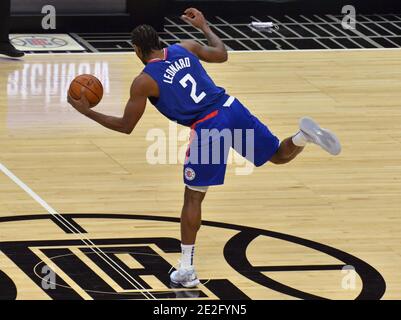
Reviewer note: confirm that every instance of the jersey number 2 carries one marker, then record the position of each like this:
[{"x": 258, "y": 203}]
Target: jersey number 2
[{"x": 184, "y": 83}]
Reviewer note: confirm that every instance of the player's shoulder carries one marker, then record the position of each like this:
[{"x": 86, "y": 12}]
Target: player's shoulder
[
  {"x": 143, "y": 84},
  {"x": 190, "y": 46},
  {"x": 183, "y": 48}
]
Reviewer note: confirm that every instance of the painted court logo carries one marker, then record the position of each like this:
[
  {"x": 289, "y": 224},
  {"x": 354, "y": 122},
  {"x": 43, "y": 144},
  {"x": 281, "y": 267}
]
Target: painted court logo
[
  {"x": 39, "y": 41},
  {"x": 83, "y": 261},
  {"x": 45, "y": 42}
]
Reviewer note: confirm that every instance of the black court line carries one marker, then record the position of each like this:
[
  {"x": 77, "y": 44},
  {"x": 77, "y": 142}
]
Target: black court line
[
  {"x": 70, "y": 223},
  {"x": 301, "y": 268}
]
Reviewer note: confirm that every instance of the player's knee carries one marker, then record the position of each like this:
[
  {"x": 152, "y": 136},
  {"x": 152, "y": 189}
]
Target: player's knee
[
  {"x": 193, "y": 198},
  {"x": 276, "y": 159}
]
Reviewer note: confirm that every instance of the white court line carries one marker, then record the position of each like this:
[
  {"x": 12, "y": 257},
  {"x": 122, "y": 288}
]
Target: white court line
[
  {"x": 230, "y": 51},
  {"x": 28, "y": 190},
  {"x": 71, "y": 228}
]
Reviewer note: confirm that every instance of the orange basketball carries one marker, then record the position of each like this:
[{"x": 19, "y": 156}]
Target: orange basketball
[{"x": 93, "y": 88}]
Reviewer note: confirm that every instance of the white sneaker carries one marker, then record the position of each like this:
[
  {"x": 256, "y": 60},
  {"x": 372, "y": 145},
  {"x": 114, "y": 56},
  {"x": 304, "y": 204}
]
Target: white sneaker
[
  {"x": 320, "y": 136},
  {"x": 185, "y": 277}
]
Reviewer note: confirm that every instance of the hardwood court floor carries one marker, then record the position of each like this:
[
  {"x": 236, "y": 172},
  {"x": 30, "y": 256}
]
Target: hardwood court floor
[{"x": 351, "y": 202}]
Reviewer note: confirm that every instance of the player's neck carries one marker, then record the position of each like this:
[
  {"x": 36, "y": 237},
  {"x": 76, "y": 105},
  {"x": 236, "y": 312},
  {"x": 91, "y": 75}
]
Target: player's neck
[{"x": 156, "y": 55}]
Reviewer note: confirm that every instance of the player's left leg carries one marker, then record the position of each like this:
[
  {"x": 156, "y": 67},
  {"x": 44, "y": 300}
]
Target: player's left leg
[
  {"x": 205, "y": 166},
  {"x": 191, "y": 216}
]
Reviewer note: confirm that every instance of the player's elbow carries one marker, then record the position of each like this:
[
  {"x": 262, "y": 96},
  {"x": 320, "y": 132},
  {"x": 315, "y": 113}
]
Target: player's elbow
[
  {"x": 219, "y": 56},
  {"x": 127, "y": 129}
]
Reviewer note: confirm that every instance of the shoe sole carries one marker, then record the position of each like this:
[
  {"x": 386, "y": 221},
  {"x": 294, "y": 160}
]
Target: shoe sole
[
  {"x": 320, "y": 136},
  {"x": 191, "y": 284},
  {"x": 187, "y": 284}
]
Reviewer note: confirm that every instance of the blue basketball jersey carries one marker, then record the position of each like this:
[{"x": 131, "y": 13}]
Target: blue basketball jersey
[{"x": 186, "y": 92}]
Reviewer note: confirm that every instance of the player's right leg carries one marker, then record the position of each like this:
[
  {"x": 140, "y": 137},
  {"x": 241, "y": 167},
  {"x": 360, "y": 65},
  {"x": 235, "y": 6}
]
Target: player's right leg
[
  {"x": 265, "y": 146},
  {"x": 310, "y": 132},
  {"x": 286, "y": 152},
  {"x": 324, "y": 138}
]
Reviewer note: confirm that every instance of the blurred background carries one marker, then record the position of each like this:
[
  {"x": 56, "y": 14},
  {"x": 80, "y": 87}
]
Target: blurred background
[{"x": 120, "y": 15}]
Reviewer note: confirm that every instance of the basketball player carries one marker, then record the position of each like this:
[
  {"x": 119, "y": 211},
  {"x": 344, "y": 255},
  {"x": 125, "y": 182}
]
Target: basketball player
[
  {"x": 178, "y": 86},
  {"x": 6, "y": 47}
]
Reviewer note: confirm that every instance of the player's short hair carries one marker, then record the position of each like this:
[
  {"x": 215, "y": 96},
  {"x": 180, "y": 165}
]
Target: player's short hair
[{"x": 146, "y": 38}]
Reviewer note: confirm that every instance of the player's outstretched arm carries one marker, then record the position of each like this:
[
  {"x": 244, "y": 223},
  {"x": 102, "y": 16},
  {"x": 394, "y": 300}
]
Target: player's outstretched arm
[
  {"x": 140, "y": 91},
  {"x": 216, "y": 50}
]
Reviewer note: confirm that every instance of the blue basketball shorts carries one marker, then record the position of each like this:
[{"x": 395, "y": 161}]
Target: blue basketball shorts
[{"x": 230, "y": 126}]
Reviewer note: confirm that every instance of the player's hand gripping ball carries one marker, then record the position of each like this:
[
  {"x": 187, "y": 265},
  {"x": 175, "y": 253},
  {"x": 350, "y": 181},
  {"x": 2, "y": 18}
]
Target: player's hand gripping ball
[{"x": 85, "y": 92}]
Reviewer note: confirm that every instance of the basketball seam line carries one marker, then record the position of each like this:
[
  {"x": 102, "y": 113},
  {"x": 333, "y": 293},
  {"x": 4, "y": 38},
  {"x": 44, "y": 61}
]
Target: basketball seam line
[{"x": 88, "y": 88}]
